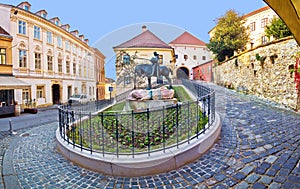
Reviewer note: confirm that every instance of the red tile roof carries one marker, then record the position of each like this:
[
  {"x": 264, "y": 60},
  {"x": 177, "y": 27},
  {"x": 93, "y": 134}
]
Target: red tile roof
[
  {"x": 187, "y": 38},
  {"x": 3, "y": 32},
  {"x": 145, "y": 39}
]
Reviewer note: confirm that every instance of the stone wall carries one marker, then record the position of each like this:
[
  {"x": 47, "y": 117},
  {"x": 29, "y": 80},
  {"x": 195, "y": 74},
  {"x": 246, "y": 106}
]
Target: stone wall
[{"x": 264, "y": 71}]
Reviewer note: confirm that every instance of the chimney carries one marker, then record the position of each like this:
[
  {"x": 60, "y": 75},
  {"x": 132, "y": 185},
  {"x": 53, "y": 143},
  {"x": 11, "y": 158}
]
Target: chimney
[{"x": 144, "y": 28}]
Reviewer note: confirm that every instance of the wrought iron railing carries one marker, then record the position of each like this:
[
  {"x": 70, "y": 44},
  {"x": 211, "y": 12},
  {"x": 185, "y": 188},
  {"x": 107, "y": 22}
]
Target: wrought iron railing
[{"x": 139, "y": 132}]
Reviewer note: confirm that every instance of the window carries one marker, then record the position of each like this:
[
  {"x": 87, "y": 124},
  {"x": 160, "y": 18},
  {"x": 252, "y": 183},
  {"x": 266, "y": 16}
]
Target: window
[
  {"x": 264, "y": 22},
  {"x": 126, "y": 59},
  {"x": 59, "y": 64},
  {"x": 37, "y": 60},
  {"x": 74, "y": 68},
  {"x": 67, "y": 45},
  {"x": 185, "y": 57},
  {"x": 50, "y": 62},
  {"x": 252, "y": 26},
  {"x": 49, "y": 37},
  {"x": 25, "y": 95},
  {"x": 57, "y": 22},
  {"x": 203, "y": 57},
  {"x": 195, "y": 57},
  {"x": 2, "y": 56},
  {"x": 44, "y": 15},
  {"x": 40, "y": 92},
  {"x": 68, "y": 66},
  {"x": 59, "y": 41},
  {"x": 37, "y": 32},
  {"x": 176, "y": 56},
  {"x": 26, "y": 8},
  {"x": 264, "y": 40},
  {"x": 73, "y": 48},
  {"x": 22, "y": 58},
  {"x": 22, "y": 27},
  {"x": 80, "y": 70}
]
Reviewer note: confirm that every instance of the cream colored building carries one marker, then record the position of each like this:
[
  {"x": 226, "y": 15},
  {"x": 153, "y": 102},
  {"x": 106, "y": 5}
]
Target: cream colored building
[
  {"x": 141, "y": 49},
  {"x": 256, "y": 23},
  {"x": 189, "y": 52},
  {"x": 55, "y": 61}
]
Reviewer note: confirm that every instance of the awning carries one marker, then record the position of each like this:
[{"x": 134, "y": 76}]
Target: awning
[
  {"x": 10, "y": 82},
  {"x": 289, "y": 12}
]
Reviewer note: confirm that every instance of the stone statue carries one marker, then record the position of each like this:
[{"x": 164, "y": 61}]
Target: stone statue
[{"x": 152, "y": 70}]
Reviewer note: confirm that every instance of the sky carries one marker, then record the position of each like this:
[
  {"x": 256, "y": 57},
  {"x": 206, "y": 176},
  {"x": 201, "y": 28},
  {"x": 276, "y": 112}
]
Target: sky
[{"x": 107, "y": 23}]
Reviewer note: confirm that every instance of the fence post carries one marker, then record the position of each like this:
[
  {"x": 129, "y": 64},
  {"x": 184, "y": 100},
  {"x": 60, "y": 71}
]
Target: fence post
[
  {"x": 102, "y": 133},
  {"x": 90, "y": 125},
  {"x": 188, "y": 122},
  {"x": 177, "y": 124},
  {"x": 148, "y": 132},
  {"x": 132, "y": 132},
  {"x": 117, "y": 135},
  {"x": 164, "y": 130}
]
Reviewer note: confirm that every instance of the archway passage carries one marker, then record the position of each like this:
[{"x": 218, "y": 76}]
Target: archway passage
[
  {"x": 55, "y": 94},
  {"x": 182, "y": 73}
]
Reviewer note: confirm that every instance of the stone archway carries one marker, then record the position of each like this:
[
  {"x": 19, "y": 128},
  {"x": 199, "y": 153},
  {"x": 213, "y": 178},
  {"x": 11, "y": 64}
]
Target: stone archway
[
  {"x": 55, "y": 94},
  {"x": 182, "y": 73}
]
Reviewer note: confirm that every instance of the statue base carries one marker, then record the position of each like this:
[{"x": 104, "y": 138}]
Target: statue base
[{"x": 151, "y": 104}]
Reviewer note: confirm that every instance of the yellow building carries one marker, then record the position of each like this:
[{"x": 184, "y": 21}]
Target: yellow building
[
  {"x": 140, "y": 49},
  {"x": 100, "y": 74},
  {"x": 10, "y": 86},
  {"x": 55, "y": 61}
]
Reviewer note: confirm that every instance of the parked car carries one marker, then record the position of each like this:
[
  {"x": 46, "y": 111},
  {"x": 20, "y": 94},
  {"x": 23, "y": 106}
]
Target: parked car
[{"x": 78, "y": 99}]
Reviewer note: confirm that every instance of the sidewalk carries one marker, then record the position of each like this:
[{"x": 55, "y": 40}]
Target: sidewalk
[{"x": 259, "y": 147}]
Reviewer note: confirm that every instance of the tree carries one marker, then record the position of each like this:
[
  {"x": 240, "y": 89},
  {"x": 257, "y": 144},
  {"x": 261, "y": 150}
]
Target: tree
[
  {"x": 278, "y": 29},
  {"x": 229, "y": 35}
]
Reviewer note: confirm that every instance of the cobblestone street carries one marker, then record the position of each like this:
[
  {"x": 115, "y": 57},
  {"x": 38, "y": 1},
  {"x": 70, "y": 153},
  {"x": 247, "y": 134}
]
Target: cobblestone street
[{"x": 259, "y": 147}]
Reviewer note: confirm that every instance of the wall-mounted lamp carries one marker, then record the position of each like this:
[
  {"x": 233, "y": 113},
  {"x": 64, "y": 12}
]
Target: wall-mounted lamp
[{"x": 16, "y": 12}]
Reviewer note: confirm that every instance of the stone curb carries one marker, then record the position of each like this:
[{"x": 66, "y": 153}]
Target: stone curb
[
  {"x": 9, "y": 176},
  {"x": 142, "y": 165}
]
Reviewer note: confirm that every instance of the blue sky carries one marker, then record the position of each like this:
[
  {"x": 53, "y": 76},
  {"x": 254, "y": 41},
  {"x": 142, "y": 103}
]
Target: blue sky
[{"x": 101, "y": 21}]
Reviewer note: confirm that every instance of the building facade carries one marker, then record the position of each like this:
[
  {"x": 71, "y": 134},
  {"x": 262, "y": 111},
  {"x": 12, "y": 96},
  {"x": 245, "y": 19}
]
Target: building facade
[
  {"x": 55, "y": 61},
  {"x": 10, "y": 87},
  {"x": 256, "y": 23},
  {"x": 99, "y": 74},
  {"x": 204, "y": 72},
  {"x": 189, "y": 52},
  {"x": 139, "y": 50}
]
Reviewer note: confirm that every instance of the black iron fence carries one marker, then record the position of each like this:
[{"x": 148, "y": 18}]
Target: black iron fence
[{"x": 139, "y": 132}]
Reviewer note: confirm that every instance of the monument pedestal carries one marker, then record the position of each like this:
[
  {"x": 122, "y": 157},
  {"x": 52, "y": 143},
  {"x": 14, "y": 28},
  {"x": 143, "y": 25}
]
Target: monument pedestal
[{"x": 151, "y": 104}]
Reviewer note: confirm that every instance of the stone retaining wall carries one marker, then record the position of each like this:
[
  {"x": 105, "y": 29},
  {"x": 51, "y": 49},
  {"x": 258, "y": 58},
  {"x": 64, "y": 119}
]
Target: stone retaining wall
[{"x": 264, "y": 71}]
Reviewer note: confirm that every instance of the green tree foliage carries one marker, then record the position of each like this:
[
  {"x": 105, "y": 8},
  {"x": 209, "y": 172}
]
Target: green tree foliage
[
  {"x": 278, "y": 29},
  {"x": 229, "y": 35}
]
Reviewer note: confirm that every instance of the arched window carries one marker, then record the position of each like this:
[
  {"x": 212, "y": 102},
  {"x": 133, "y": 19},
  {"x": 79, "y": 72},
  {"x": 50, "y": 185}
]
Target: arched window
[{"x": 22, "y": 55}]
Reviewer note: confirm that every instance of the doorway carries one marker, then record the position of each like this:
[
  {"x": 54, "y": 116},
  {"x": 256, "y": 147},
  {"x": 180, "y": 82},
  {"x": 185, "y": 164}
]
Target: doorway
[
  {"x": 182, "y": 73},
  {"x": 55, "y": 94}
]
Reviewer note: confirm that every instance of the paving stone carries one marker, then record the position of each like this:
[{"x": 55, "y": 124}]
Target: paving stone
[
  {"x": 259, "y": 186},
  {"x": 271, "y": 159},
  {"x": 247, "y": 169},
  {"x": 242, "y": 185},
  {"x": 265, "y": 179},
  {"x": 252, "y": 178}
]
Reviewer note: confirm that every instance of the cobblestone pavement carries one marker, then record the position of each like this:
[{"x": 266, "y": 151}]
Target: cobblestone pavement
[{"x": 259, "y": 147}]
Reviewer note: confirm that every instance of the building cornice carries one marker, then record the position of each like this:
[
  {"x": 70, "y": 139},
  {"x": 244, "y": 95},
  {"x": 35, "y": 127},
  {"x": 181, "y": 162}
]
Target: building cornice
[{"x": 46, "y": 22}]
